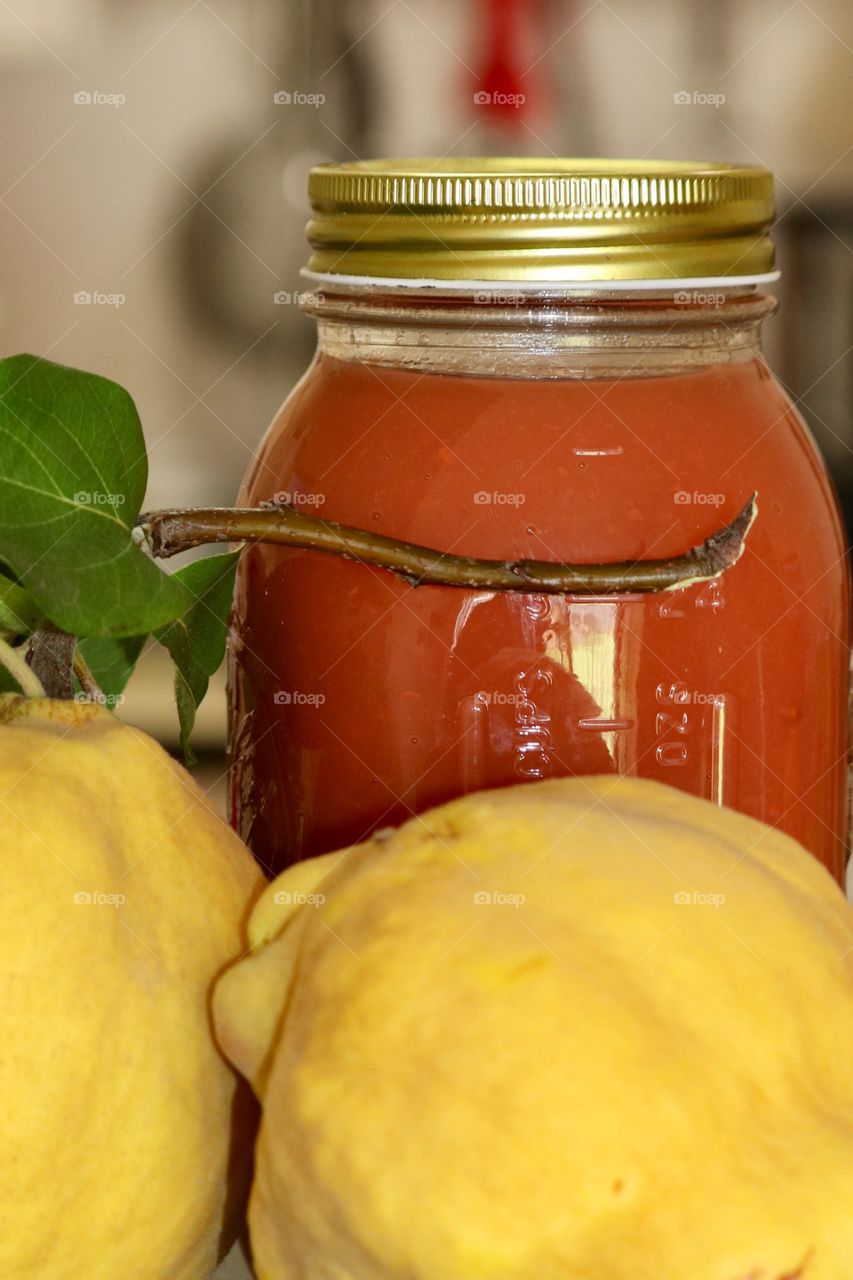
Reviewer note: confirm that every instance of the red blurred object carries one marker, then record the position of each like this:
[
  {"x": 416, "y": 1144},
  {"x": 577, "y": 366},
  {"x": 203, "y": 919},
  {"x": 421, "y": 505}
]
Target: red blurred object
[{"x": 503, "y": 87}]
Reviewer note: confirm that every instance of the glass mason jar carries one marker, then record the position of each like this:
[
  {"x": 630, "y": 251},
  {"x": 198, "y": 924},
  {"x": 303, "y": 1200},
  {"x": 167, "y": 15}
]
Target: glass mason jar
[{"x": 560, "y": 361}]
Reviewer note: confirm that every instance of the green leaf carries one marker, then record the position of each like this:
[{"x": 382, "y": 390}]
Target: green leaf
[
  {"x": 196, "y": 640},
  {"x": 19, "y": 613},
  {"x": 111, "y": 661},
  {"x": 16, "y": 675},
  {"x": 73, "y": 471},
  {"x": 8, "y": 683}
]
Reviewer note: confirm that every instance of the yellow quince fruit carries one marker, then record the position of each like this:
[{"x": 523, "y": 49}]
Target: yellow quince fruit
[
  {"x": 125, "y": 1139},
  {"x": 589, "y": 1029}
]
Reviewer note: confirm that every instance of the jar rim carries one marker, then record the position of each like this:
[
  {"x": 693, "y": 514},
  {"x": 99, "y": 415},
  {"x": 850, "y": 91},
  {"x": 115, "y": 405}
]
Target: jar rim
[{"x": 664, "y": 287}]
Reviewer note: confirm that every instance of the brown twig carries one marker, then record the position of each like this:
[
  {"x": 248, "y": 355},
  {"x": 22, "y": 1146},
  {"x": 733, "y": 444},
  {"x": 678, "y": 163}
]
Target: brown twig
[
  {"x": 51, "y": 656},
  {"x": 165, "y": 533},
  {"x": 84, "y": 674}
]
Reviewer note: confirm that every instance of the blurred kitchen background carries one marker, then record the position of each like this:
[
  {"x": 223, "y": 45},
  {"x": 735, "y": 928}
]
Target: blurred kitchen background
[{"x": 154, "y": 158}]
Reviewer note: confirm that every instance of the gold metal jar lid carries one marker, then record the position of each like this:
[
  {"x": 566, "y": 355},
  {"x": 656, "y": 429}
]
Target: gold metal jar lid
[{"x": 539, "y": 221}]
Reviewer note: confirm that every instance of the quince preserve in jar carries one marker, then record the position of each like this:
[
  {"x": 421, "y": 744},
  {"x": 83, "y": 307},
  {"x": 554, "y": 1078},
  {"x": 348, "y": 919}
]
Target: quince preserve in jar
[{"x": 559, "y": 360}]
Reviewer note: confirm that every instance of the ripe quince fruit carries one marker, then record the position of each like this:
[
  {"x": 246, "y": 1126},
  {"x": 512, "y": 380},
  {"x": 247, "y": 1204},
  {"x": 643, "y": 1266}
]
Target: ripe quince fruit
[
  {"x": 589, "y": 1029},
  {"x": 125, "y": 1138}
]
